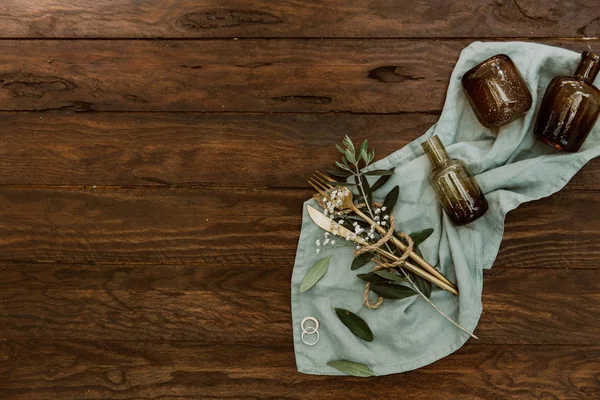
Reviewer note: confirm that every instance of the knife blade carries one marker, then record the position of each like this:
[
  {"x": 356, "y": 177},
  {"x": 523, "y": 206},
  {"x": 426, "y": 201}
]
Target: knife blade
[{"x": 331, "y": 226}]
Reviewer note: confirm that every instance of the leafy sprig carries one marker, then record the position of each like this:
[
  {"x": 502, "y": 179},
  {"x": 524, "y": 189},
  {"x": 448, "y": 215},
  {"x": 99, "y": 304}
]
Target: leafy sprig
[
  {"x": 354, "y": 164},
  {"x": 390, "y": 284}
]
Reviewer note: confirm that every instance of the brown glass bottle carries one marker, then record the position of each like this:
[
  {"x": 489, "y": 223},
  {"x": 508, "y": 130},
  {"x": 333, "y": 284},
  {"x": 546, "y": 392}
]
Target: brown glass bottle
[
  {"x": 497, "y": 91},
  {"x": 570, "y": 107},
  {"x": 457, "y": 189}
]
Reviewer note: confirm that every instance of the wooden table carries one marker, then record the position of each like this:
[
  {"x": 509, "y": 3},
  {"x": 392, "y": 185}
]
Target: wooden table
[{"x": 153, "y": 164}]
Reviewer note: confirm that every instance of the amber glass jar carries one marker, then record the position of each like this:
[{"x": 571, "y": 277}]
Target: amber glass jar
[
  {"x": 497, "y": 92},
  {"x": 570, "y": 107},
  {"x": 457, "y": 189}
]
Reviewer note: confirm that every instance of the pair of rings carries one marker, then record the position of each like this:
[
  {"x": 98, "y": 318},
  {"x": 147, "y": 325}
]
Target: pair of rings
[{"x": 310, "y": 329}]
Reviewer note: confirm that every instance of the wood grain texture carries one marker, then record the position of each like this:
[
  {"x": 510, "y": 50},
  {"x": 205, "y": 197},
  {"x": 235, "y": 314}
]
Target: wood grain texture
[
  {"x": 233, "y": 226},
  {"x": 80, "y": 302},
  {"x": 151, "y": 194},
  {"x": 181, "y": 149},
  {"x": 312, "y": 18},
  {"x": 187, "y": 150},
  {"x": 226, "y": 75},
  {"x": 167, "y": 370}
]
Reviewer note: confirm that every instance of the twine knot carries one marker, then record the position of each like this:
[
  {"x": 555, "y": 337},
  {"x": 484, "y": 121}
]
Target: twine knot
[{"x": 382, "y": 264}]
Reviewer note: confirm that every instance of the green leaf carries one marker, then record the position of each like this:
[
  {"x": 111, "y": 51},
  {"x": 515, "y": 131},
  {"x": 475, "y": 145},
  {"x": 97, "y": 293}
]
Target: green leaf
[
  {"x": 363, "y": 151},
  {"x": 372, "y": 277},
  {"x": 424, "y": 285},
  {"x": 371, "y": 155},
  {"x": 345, "y": 161},
  {"x": 391, "y": 291},
  {"x": 350, "y": 157},
  {"x": 351, "y": 368},
  {"x": 315, "y": 273},
  {"x": 384, "y": 273},
  {"x": 365, "y": 186},
  {"x": 421, "y": 236},
  {"x": 356, "y": 324},
  {"x": 349, "y": 144},
  {"x": 379, "y": 172},
  {"x": 364, "y": 156},
  {"x": 339, "y": 174},
  {"x": 380, "y": 182},
  {"x": 361, "y": 260},
  {"x": 391, "y": 198},
  {"x": 341, "y": 166},
  {"x": 364, "y": 146},
  {"x": 340, "y": 149}
]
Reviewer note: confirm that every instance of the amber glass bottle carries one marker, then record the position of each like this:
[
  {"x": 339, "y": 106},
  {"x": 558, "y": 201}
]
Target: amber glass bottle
[
  {"x": 456, "y": 187},
  {"x": 497, "y": 91},
  {"x": 570, "y": 107}
]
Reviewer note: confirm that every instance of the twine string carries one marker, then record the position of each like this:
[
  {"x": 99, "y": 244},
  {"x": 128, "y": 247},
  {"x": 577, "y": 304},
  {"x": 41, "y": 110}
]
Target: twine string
[{"x": 380, "y": 264}]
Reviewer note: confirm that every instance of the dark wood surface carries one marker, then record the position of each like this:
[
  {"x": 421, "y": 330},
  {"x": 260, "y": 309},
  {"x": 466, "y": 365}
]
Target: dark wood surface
[
  {"x": 307, "y": 18},
  {"x": 153, "y": 159},
  {"x": 251, "y": 75}
]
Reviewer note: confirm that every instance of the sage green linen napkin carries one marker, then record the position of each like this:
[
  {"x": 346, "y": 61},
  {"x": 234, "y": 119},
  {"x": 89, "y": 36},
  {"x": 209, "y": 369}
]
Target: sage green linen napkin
[{"x": 511, "y": 167}]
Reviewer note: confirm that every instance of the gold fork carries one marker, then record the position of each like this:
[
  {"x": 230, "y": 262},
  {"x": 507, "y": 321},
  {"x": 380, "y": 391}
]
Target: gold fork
[
  {"x": 321, "y": 183},
  {"x": 329, "y": 225}
]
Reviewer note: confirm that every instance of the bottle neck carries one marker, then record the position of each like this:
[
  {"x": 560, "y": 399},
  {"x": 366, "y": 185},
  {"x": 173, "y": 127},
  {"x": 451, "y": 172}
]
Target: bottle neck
[
  {"x": 435, "y": 150},
  {"x": 588, "y": 66}
]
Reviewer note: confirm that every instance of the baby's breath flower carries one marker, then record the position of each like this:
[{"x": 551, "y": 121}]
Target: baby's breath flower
[
  {"x": 326, "y": 234},
  {"x": 333, "y": 242},
  {"x": 325, "y": 242},
  {"x": 377, "y": 210},
  {"x": 318, "y": 251},
  {"x": 341, "y": 222},
  {"x": 318, "y": 242},
  {"x": 384, "y": 223},
  {"x": 386, "y": 217},
  {"x": 383, "y": 208}
]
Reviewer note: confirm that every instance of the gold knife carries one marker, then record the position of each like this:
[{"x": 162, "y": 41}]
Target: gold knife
[{"x": 331, "y": 226}]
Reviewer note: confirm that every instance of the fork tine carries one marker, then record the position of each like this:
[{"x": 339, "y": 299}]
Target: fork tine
[
  {"x": 321, "y": 192},
  {"x": 320, "y": 185},
  {"x": 327, "y": 178},
  {"x": 322, "y": 182},
  {"x": 317, "y": 189}
]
